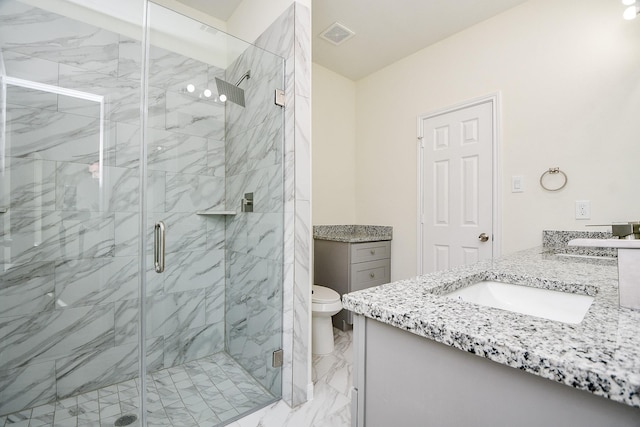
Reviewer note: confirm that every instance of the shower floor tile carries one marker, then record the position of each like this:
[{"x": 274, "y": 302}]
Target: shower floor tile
[{"x": 202, "y": 393}]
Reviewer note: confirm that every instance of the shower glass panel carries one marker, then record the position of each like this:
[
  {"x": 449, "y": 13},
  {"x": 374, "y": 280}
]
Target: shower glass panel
[
  {"x": 69, "y": 271},
  {"x": 214, "y": 316},
  {"x": 84, "y": 177}
]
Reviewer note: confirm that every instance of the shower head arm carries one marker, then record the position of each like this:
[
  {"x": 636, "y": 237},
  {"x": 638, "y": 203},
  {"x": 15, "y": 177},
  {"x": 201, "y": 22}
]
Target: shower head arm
[{"x": 246, "y": 75}]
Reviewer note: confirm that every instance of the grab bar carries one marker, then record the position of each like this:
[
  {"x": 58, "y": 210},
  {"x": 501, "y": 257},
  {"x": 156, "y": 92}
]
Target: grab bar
[{"x": 158, "y": 246}]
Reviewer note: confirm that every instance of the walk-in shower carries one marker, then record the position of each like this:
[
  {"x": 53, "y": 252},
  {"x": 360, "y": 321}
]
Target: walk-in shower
[{"x": 108, "y": 127}]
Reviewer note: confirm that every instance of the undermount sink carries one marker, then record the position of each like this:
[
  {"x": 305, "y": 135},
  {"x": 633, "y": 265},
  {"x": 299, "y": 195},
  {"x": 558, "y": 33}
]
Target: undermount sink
[{"x": 545, "y": 303}]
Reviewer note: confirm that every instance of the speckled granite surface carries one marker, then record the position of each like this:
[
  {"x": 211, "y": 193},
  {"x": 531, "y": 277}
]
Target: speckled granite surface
[
  {"x": 556, "y": 241},
  {"x": 600, "y": 355},
  {"x": 352, "y": 233}
]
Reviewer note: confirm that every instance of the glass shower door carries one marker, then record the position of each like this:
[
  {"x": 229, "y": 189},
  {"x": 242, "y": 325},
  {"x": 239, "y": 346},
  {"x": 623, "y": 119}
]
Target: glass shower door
[
  {"x": 214, "y": 315},
  {"x": 69, "y": 275}
]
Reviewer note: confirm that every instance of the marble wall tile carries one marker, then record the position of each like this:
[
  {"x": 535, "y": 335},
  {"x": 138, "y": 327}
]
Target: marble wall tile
[
  {"x": 50, "y": 335},
  {"x": 32, "y": 98},
  {"x": 52, "y": 135},
  {"x": 126, "y": 232},
  {"x": 83, "y": 372},
  {"x": 192, "y": 344},
  {"x": 129, "y": 58},
  {"x": 126, "y": 321},
  {"x": 49, "y": 236},
  {"x": 214, "y": 305},
  {"x": 194, "y": 116},
  {"x": 176, "y": 152},
  {"x": 216, "y": 157},
  {"x": 190, "y": 193},
  {"x": 96, "y": 188},
  {"x": 194, "y": 270},
  {"x": 26, "y": 387},
  {"x": 264, "y": 235},
  {"x": 30, "y": 68},
  {"x": 258, "y": 147},
  {"x": 172, "y": 313},
  {"x": 26, "y": 288},
  {"x": 29, "y": 184},
  {"x": 46, "y": 35},
  {"x": 172, "y": 71},
  {"x": 96, "y": 281},
  {"x": 215, "y": 232}
]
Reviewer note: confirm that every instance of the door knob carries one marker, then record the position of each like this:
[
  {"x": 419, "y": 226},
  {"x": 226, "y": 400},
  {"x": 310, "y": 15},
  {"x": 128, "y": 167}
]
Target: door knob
[{"x": 483, "y": 237}]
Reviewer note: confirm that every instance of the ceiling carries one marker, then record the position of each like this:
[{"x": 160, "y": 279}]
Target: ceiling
[{"x": 386, "y": 30}]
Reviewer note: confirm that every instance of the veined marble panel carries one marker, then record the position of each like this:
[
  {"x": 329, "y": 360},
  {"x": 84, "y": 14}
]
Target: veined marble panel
[
  {"x": 258, "y": 147},
  {"x": 266, "y": 185},
  {"x": 237, "y": 239},
  {"x": 51, "y": 135},
  {"x": 176, "y": 152},
  {"x": 122, "y": 95},
  {"x": 30, "y": 68},
  {"x": 265, "y": 235},
  {"x": 26, "y": 387},
  {"x": 156, "y": 192},
  {"x": 173, "y": 72},
  {"x": 194, "y": 116},
  {"x": 29, "y": 184},
  {"x": 128, "y": 140},
  {"x": 194, "y": 270},
  {"x": 96, "y": 188},
  {"x": 26, "y": 289},
  {"x": 84, "y": 372},
  {"x": 171, "y": 313},
  {"x": 192, "y": 344},
  {"x": 96, "y": 281},
  {"x": 81, "y": 107},
  {"x": 126, "y": 233},
  {"x": 126, "y": 321},
  {"x": 215, "y": 232},
  {"x": 129, "y": 58},
  {"x": 184, "y": 232},
  {"x": 49, "y": 236},
  {"x": 35, "y": 32},
  {"x": 216, "y": 157},
  {"x": 32, "y": 98},
  {"x": 54, "y": 334},
  {"x": 189, "y": 193},
  {"x": 214, "y": 300}
]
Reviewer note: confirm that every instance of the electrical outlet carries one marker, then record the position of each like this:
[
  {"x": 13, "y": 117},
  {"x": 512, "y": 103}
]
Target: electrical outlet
[{"x": 583, "y": 209}]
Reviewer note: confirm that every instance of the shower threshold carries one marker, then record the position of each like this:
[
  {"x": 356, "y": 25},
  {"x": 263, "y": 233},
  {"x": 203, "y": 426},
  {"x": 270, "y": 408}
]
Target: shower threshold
[{"x": 206, "y": 392}]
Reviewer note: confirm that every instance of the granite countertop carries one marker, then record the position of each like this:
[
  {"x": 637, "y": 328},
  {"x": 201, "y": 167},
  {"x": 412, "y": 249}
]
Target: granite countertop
[
  {"x": 601, "y": 354},
  {"x": 352, "y": 233}
]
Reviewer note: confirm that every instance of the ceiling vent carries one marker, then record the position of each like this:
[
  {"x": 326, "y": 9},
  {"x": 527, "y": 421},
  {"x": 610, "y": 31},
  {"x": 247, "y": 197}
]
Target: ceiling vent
[{"x": 337, "y": 34}]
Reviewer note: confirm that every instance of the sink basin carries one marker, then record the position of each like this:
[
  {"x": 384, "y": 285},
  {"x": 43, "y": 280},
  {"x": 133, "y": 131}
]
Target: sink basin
[{"x": 545, "y": 303}]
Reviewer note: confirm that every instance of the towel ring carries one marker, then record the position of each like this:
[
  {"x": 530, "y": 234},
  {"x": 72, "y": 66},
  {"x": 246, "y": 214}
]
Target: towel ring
[{"x": 553, "y": 171}]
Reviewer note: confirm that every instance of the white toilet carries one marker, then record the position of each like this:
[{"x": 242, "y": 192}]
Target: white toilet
[{"x": 325, "y": 303}]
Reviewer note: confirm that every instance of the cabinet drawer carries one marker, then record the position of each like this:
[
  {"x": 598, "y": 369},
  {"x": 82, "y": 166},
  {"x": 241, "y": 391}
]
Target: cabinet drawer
[
  {"x": 367, "y": 274},
  {"x": 370, "y": 251}
]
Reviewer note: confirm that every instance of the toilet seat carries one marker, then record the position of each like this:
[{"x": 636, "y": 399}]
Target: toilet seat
[{"x": 324, "y": 295}]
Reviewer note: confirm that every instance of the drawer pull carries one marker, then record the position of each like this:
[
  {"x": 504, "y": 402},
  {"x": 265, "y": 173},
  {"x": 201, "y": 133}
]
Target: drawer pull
[
  {"x": 373, "y": 251},
  {"x": 372, "y": 275}
]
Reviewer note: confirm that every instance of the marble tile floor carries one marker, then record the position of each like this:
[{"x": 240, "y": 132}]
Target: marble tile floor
[
  {"x": 181, "y": 396},
  {"x": 185, "y": 396},
  {"x": 331, "y": 404}
]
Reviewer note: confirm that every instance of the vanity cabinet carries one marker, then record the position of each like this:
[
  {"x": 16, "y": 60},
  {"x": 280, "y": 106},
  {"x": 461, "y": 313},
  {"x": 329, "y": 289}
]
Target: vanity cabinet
[{"x": 346, "y": 267}]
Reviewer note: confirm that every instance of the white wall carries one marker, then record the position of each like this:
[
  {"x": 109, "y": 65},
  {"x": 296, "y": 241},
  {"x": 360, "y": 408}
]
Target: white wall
[
  {"x": 252, "y": 17},
  {"x": 569, "y": 75},
  {"x": 334, "y": 152}
]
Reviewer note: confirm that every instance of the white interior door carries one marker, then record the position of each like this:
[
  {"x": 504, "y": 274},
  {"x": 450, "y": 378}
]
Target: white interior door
[{"x": 457, "y": 188}]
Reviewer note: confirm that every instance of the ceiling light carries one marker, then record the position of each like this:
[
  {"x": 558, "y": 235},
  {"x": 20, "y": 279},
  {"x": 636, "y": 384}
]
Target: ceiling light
[
  {"x": 630, "y": 13},
  {"x": 628, "y": 2}
]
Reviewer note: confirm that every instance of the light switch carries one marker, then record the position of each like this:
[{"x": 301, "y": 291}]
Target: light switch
[{"x": 517, "y": 184}]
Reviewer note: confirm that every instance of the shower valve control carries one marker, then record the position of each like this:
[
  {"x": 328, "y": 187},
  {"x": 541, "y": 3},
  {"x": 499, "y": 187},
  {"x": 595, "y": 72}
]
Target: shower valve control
[{"x": 247, "y": 202}]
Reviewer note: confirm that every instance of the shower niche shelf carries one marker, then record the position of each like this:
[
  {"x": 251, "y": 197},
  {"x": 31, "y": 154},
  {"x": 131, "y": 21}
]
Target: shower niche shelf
[{"x": 213, "y": 212}]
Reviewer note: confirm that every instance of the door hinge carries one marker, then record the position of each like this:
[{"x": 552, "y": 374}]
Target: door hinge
[
  {"x": 421, "y": 141},
  {"x": 279, "y": 97},
  {"x": 277, "y": 358}
]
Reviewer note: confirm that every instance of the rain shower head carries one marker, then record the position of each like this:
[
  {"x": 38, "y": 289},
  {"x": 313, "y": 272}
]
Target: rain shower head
[{"x": 232, "y": 92}]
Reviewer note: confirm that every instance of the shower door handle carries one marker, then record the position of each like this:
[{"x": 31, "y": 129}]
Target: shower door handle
[{"x": 158, "y": 246}]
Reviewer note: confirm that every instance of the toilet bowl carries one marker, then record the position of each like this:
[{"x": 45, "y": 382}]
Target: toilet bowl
[{"x": 325, "y": 303}]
